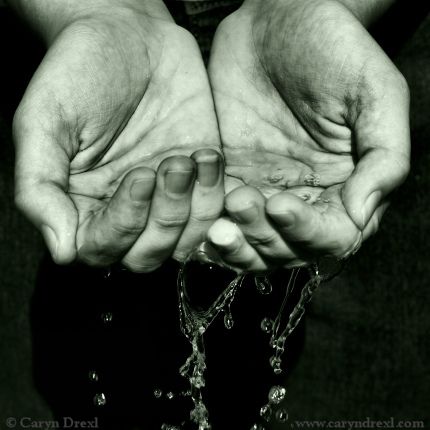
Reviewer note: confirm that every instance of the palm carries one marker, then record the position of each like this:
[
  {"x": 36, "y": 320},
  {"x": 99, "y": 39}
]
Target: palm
[
  {"x": 288, "y": 110},
  {"x": 310, "y": 108},
  {"x": 112, "y": 98},
  {"x": 286, "y": 114},
  {"x": 136, "y": 114},
  {"x": 122, "y": 105}
]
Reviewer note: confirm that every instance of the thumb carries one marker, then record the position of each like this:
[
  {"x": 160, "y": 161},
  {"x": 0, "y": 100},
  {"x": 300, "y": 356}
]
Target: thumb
[
  {"x": 41, "y": 181},
  {"x": 381, "y": 133}
]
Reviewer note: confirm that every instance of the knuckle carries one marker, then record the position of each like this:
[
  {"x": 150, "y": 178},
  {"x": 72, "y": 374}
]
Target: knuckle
[
  {"x": 125, "y": 230},
  {"x": 203, "y": 217},
  {"x": 265, "y": 239},
  {"x": 170, "y": 223},
  {"x": 122, "y": 225}
]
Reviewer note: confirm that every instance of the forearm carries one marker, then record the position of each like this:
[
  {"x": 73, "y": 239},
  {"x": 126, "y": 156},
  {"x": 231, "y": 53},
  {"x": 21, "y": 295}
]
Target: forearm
[{"x": 49, "y": 17}]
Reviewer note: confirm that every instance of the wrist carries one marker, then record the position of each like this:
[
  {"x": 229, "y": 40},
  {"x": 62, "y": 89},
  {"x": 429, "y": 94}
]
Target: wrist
[
  {"x": 49, "y": 17},
  {"x": 366, "y": 11}
]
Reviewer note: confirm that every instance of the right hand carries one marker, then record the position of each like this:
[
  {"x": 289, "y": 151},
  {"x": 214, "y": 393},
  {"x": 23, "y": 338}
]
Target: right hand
[{"x": 118, "y": 92}]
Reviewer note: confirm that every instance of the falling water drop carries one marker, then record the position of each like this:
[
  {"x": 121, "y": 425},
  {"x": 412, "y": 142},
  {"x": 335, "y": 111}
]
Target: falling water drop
[
  {"x": 158, "y": 393},
  {"x": 169, "y": 427},
  {"x": 263, "y": 285},
  {"x": 99, "y": 399},
  {"x": 107, "y": 274},
  {"x": 228, "y": 319},
  {"x": 107, "y": 317},
  {"x": 92, "y": 376},
  {"x": 281, "y": 416},
  {"x": 257, "y": 427},
  {"x": 275, "y": 362},
  {"x": 266, "y": 325},
  {"x": 276, "y": 394},
  {"x": 266, "y": 412}
]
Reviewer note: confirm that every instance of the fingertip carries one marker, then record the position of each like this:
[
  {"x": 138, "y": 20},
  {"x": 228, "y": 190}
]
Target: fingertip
[
  {"x": 242, "y": 197},
  {"x": 209, "y": 167},
  {"x": 62, "y": 249},
  {"x": 206, "y": 155},
  {"x": 176, "y": 163},
  {"x": 141, "y": 189},
  {"x": 51, "y": 240},
  {"x": 176, "y": 175},
  {"x": 359, "y": 207},
  {"x": 286, "y": 208},
  {"x": 223, "y": 234},
  {"x": 140, "y": 173},
  {"x": 54, "y": 215}
]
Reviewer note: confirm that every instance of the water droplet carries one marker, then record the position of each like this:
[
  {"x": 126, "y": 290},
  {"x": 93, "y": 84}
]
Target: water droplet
[
  {"x": 281, "y": 415},
  {"x": 170, "y": 395},
  {"x": 92, "y": 376},
  {"x": 99, "y": 399},
  {"x": 107, "y": 274},
  {"x": 263, "y": 285},
  {"x": 312, "y": 179},
  {"x": 107, "y": 317},
  {"x": 279, "y": 350},
  {"x": 257, "y": 427},
  {"x": 228, "y": 321},
  {"x": 158, "y": 393},
  {"x": 266, "y": 412},
  {"x": 266, "y": 325},
  {"x": 275, "y": 362},
  {"x": 281, "y": 342},
  {"x": 277, "y": 394},
  {"x": 197, "y": 381}
]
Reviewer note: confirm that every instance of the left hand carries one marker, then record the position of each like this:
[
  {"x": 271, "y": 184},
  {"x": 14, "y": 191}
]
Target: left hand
[{"x": 314, "y": 118}]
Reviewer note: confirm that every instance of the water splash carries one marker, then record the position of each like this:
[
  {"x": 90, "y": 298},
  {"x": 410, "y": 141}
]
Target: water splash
[{"x": 194, "y": 322}]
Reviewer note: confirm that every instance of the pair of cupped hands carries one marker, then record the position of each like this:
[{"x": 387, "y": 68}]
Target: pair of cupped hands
[{"x": 120, "y": 133}]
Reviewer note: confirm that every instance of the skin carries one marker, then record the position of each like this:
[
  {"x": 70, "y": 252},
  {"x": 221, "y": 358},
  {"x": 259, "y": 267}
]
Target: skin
[
  {"x": 319, "y": 139},
  {"x": 314, "y": 126},
  {"x": 121, "y": 110}
]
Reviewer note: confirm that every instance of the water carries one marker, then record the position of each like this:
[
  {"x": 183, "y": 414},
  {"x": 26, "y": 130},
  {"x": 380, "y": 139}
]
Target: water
[{"x": 195, "y": 320}]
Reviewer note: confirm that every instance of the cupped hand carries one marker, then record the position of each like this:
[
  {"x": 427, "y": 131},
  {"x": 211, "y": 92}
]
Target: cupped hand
[
  {"x": 314, "y": 126},
  {"x": 118, "y": 92}
]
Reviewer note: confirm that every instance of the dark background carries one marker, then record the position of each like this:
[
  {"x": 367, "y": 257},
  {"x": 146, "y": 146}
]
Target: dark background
[{"x": 367, "y": 348}]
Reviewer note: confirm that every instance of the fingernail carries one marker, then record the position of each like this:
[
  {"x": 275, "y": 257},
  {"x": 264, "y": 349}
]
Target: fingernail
[
  {"x": 178, "y": 182},
  {"x": 370, "y": 205},
  {"x": 245, "y": 216},
  {"x": 208, "y": 170},
  {"x": 51, "y": 240},
  {"x": 141, "y": 189},
  {"x": 286, "y": 219}
]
